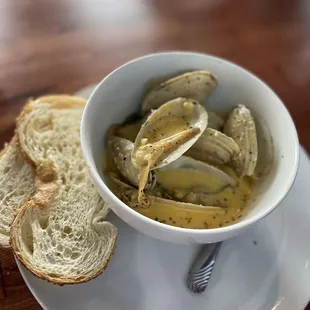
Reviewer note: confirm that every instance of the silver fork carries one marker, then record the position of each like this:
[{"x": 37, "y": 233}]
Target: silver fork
[{"x": 200, "y": 273}]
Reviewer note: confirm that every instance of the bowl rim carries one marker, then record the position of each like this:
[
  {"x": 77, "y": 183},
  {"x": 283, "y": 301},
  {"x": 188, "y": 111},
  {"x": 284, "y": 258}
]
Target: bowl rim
[{"x": 114, "y": 200}]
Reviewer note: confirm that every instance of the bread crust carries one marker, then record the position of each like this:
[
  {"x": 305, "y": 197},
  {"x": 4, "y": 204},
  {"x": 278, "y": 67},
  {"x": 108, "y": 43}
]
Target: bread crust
[
  {"x": 46, "y": 187},
  {"x": 6, "y": 145},
  {"x": 60, "y": 282},
  {"x": 2, "y": 152}
]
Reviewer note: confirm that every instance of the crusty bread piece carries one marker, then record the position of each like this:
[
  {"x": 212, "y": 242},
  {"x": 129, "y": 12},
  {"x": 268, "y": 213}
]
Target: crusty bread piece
[
  {"x": 16, "y": 187},
  {"x": 17, "y": 178},
  {"x": 60, "y": 234}
]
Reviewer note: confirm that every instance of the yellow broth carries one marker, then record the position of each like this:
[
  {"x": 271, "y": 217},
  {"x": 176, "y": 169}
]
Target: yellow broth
[
  {"x": 197, "y": 218},
  {"x": 167, "y": 127},
  {"x": 233, "y": 200},
  {"x": 190, "y": 219}
]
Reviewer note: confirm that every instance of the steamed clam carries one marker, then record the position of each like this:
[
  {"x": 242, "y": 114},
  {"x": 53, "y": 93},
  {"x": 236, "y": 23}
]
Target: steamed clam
[
  {"x": 167, "y": 134},
  {"x": 129, "y": 195},
  {"x": 240, "y": 126},
  {"x": 218, "y": 179},
  {"x": 196, "y": 85},
  {"x": 214, "y": 147},
  {"x": 121, "y": 151},
  {"x": 189, "y": 180}
]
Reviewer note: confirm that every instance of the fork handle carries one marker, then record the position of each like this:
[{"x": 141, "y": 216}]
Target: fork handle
[{"x": 200, "y": 273}]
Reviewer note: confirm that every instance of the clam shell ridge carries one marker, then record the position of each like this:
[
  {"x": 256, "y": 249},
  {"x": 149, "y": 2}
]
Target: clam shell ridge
[
  {"x": 240, "y": 126},
  {"x": 196, "y": 85},
  {"x": 214, "y": 147}
]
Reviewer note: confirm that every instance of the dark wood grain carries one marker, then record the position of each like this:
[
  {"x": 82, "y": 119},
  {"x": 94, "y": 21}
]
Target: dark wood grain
[{"x": 63, "y": 45}]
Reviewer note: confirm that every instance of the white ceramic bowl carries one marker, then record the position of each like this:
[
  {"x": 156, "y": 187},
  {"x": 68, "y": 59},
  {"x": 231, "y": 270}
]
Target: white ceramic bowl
[{"x": 120, "y": 94}]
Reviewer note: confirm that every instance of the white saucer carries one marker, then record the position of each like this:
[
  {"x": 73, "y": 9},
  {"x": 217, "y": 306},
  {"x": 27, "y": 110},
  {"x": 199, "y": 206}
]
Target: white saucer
[{"x": 265, "y": 268}]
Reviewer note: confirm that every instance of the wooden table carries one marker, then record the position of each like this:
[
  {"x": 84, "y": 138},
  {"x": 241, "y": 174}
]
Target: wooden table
[{"x": 63, "y": 45}]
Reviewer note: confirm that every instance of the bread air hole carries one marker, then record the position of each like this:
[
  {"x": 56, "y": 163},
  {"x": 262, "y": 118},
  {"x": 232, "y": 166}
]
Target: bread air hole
[
  {"x": 100, "y": 220},
  {"x": 67, "y": 253},
  {"x": 75, "y": 255},
  {"x": 67, "y": 230},
  {"x": 50, "y": 259},
  {"x": 49, "y": 231},
  {"x": 27, "y": 236},
  {"x": 43, "y": 222}
]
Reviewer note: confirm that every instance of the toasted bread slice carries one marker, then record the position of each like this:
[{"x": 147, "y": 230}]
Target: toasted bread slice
[
  {"x": 60, "y": 234},
  {"x": 16, "y": 187}
]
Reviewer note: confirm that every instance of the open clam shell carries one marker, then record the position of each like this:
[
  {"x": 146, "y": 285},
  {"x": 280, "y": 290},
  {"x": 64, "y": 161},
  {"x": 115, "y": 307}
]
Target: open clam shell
[
  {"x": 193, "y": 181},
  {"x": 240, "y": 126},
  {"x": 196, "y": 85},
  {"x": 166, "y": 135},
  {"x": 217, "y": 175},
  {"x": 121, "y": 151},
  {"x": 169, "y": 132},
  {"x": 214, "y": 147},
  {"x": 129, "y": 195}
]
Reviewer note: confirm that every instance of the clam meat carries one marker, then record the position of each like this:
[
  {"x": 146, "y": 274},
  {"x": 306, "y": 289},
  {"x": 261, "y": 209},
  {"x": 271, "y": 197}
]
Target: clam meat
[
  {"x": 189, "y": 180},
  {"x": 167, "y": 134}
]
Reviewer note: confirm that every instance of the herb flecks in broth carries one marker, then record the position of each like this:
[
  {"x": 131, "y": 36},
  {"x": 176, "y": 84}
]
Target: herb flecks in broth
[{"x": 211, "y": 187}]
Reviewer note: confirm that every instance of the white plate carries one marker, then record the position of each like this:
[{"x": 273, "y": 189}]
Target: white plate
[{"x": 265, "y": 268}]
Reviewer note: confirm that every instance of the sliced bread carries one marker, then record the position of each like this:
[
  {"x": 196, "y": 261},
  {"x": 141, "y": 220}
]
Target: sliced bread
[
  {"x": 16, "y": 187},
  {"x": 60, "y": 234}
]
